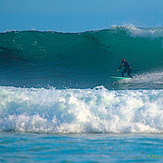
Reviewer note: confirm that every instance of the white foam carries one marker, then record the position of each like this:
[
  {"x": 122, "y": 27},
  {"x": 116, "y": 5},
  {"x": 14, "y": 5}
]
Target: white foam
[
  {"x": 152, "y": 78},
  {"x": 145, "y": 32},
  {"x": 81, "y": 110},
  {"x": 142, "y": 32}
]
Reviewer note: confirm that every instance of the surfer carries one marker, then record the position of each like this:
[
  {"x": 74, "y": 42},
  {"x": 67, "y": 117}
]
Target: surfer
[{"x": 127, "y": 69}]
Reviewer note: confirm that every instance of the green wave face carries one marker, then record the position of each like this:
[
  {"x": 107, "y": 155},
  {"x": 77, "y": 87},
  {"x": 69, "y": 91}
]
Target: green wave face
[{"x": 80, "y": 60}]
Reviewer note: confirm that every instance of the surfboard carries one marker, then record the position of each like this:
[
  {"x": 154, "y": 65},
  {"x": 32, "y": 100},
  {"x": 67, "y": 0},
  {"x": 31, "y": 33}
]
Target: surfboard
[{"x": 120, "y": 78}]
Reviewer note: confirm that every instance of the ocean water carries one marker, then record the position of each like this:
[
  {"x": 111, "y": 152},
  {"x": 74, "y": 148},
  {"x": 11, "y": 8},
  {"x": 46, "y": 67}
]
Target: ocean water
[
  {"x": 30, "y": 147},
  {"x": 58, "y": 102}
]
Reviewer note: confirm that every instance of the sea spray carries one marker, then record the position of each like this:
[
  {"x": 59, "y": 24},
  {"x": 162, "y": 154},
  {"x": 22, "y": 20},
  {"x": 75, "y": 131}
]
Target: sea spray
[{"x": 95, "y": 110}]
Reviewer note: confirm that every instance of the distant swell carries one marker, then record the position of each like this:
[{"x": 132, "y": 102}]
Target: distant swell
[{"x": 78, "y": 60}]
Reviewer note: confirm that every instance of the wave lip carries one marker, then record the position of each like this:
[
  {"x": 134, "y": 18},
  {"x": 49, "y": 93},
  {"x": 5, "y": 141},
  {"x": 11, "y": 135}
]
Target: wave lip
[
  {"x": 95, "y": 110},
  {"x": 153, "y": 33}
]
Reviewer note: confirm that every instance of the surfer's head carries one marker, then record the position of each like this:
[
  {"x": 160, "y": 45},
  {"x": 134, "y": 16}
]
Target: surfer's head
[{"x": 123, "y": 59}]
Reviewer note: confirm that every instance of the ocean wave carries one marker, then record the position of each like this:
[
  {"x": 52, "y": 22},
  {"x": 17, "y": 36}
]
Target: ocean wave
[
  {"x": 95, "y": 110},
  {"x": 78, "y": 60}
]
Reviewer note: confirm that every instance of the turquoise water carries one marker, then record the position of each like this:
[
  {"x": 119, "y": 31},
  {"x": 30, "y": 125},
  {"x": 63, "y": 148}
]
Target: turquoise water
[
  {"x": 30, "y": 147},
  {"x": 81, "y": 60},
  {"x": 58, "y": 102}
]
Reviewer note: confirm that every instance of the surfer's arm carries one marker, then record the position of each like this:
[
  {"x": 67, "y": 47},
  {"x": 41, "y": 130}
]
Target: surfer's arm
[{"x": 120, "y": 66}]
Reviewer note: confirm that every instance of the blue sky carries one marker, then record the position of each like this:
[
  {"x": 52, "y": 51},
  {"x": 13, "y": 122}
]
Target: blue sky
[{"x": 78, "y": 15}]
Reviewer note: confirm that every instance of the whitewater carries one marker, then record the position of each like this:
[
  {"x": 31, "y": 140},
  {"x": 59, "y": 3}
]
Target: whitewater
[{"x": 95, "y": 110}]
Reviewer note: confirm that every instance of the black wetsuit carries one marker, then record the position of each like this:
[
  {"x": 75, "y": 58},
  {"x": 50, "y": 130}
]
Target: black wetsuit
[{"x": 127, "y": 69}]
